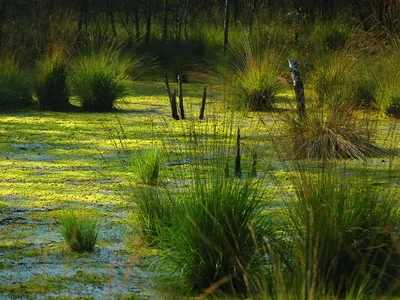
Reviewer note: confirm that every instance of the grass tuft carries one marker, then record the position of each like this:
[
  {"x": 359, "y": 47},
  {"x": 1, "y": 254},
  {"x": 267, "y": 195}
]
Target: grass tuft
[
  {"x": 256, "y": 79},
  {"x": 216, "y": 235},
  {"x": 153, "y": 213},
  {"x": 51, "y": 84},
  {"x": 98, "y": 80},
  {"x": 331, "y": 132},
  {"x": 344, "y": 234},
  {"x": 79, "y": 230},
  {"x": 15, "y": 86},
  {"x": 147, "y": 164}
]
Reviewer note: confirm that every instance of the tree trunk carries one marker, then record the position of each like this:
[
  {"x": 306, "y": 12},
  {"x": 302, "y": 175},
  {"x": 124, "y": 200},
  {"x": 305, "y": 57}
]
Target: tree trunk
[
  {"x": 3, "y": 9},
  {"x": 252, "y": 12},
  {"x": 226, "y": 24},
  {"x": 110, "y": 14},
  {"x": 174, "y": 108},
  {"x": 203, "y": 104},
  {"x": 181, "y": 108},
  {"x": 137, "y": 23},
  {"x": 165, "y": 21},
  {"x": 148, "y": 21}
]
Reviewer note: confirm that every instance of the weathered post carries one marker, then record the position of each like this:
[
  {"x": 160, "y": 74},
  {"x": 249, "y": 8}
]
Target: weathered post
[
  {"x": 174, "y": 108},
  {"x": 167, "y": 86},
  {"x": 238, "y": 169},
  {"x": 298, "y": 88},
  {"x": 181, "y": 97},
  {"x": 203, "y": 104}
]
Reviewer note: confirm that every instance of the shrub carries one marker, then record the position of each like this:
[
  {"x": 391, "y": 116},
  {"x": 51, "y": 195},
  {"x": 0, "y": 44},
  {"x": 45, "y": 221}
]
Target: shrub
[
  {"x": 217, "y": 233},
  {"x": 79, "y": 230},
  {"x": 15, "y": 87},
  {"x": 331, "y": 132},
  {"x": 255, "y": 81},
  {"x": 346, "y": 235},
  {"x": 97, "y": 80},
  {"x": 146, "y": 165},
  {"x": 51, "y": 84}
]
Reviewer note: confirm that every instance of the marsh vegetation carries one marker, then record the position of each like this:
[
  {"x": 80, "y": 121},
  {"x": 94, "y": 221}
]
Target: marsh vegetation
[{"x": 104, "y": 193}]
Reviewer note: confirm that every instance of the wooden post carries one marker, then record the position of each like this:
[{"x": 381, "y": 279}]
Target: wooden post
[
  {"x": 167, "y": 86},
  {"x": 298, "y": 88},
  {"x": 173, "y": 106},
  {"x": 203, "y": 104},
  {"x": 238, "y": 170},
  {"x": 181, "y": 97}
]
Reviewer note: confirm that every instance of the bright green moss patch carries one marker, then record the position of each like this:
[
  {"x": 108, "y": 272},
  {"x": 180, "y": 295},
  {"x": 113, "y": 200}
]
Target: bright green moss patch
[
  {"x": 89, "y": 279},
  {"x": 13, "y": 245},
  {"x": 37, "y": 285}
]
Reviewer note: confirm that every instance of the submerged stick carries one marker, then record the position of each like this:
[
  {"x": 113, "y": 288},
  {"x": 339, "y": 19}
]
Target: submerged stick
[
  {"x": 173, "y": 106},
  {"x": 203, "y": 104},
  {"x": 298, "y": 88},
  {"x": 182, "y": 111}
]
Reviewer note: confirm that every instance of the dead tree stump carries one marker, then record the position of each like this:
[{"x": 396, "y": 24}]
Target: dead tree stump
[
  {"x": 298, "y": 88},
  {"x": 182, "y": 111},
  {"x": 167, "y": 86},
  {"x": 203, "y": 103},
  {"x": 174, "y": 108}
]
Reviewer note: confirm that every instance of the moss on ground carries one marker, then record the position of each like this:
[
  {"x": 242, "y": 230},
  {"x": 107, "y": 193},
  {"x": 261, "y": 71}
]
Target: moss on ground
[{"x": 52, "y": 161}]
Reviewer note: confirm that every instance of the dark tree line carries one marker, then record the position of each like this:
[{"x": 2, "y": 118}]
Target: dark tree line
[{"x": 137, "y": 18}]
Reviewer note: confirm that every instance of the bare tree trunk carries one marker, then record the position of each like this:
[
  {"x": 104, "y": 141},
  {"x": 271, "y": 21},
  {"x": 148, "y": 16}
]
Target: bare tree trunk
[
  {"x": 186, "y": 21},
  {"x": 165, "y": 21},
  {"x": 110, "y": 14},
  {"x": 180, "y": 23},
  {"x": 148, "y": 21},
  {"x": 137, "y": 23},
  {"x": 174, "y": 108},
  {"x": 226, "y": 24},
  {"x": 125, "y": 19},
  {"x": 236, "y": 12},
  {"x": 252, "y": 12},
  {"x": 3, "y": 9},
  {"x": 181, "y": 108},
  {"x": 203, "y": 104}
]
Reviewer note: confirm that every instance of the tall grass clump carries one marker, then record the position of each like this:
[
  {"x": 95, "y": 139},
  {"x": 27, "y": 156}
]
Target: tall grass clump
[
  {"x": 255, "y": 81},
  {"x": 217, "y": 235},
  {"x": 146, "y": 165},
  {"x": 153, "y": 213},
  {"x": 98, "y": 80},
  {"x": 388, "y": 91},
  {"x": 15, "y": 86},
  {"x": 346, "y": 235},
  {"x": 331, "y": 132},
  {"x": 329, "y": 35},
  {"x": 79, "y": 230},
  {"x": 333, "y": 79},
  {"x": 51, "y": 84}
]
